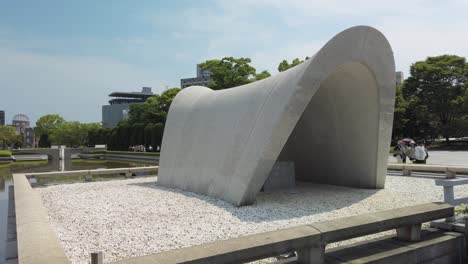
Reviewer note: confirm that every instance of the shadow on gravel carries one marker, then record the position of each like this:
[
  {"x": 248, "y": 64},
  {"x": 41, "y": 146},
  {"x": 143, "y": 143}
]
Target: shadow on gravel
[{"x": 305, "y": 200}]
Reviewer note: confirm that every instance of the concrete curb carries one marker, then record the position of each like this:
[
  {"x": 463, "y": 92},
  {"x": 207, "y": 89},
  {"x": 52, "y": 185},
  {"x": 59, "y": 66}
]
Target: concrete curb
[{"x": 37, "y": 241}]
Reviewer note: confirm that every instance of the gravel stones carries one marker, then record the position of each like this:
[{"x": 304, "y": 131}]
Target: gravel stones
[{"x": 135, "y": 217}]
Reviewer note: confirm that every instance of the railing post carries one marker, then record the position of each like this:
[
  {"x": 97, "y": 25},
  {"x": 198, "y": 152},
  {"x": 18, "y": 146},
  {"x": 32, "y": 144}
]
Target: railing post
[
  {"x": 449, "y": 198},
  {"x": 97, "y": 258},
  {"x": 450, "y": 174},
  {"x": 89, "y": 176},
  {"x": 311, "y": 255},
  {"x": 406, "y": 172},
  {"x": 409, "y": 233}
]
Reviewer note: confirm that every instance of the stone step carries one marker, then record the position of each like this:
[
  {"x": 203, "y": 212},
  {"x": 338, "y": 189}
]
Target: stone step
[{"x": 435, "y": 246}]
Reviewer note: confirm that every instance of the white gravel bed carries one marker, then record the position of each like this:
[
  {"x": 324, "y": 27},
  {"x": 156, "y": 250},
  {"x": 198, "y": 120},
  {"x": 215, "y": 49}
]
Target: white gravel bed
[{"x": 128, "y": 218}]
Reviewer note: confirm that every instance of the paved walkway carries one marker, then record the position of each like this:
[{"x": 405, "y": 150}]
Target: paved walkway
[{"x": 444, "y": 157}]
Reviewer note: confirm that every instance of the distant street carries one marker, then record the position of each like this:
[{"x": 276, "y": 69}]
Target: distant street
[{"x": 444, "y": 157}]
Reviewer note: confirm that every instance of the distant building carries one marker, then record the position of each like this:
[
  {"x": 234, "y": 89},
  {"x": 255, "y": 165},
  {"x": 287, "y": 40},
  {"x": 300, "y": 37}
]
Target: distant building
[
  {"x": 2, "y": 118},
  {"x": 399, "y": 78},
  {"x": 118, "y": 107},
  {"x": 202, "y": 79},
  {"x": 22, "y": 125}
]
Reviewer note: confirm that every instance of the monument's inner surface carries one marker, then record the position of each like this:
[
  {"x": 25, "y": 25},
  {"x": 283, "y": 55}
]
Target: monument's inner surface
[{"x": 334, "y": 140}]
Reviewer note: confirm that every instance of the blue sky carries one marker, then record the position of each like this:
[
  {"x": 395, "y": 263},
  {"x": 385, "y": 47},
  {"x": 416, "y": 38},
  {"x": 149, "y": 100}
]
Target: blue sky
[{"x": 65, "y": 57}]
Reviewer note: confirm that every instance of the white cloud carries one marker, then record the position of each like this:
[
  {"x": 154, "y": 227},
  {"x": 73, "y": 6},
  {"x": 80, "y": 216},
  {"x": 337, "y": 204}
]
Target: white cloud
[
  {"x": 74, "y": 87},
  {"x": 415, "y": 29},
  {"x": 267, "y": 31},
  {"x": 414, "y": 40}
]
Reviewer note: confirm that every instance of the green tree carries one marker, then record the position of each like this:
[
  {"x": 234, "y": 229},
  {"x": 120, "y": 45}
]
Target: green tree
[
  {"x": 399, "y": 118},
  {"x": 72, "y": 133},
  {"x": 8, "y": 136},
  {"x": 136, "y": 113},
  {"x": 137, "y": 134},
  {"x": 229, "y": 72},
  {"x": 44, "y": 141},
  {"x": 148, "y": 133},
  {"x": 440, "y": 84},
  {"x": 262, "y": 75},
  {"x": 157, "y": 107},
  {"x": 284, "y": 65},
  {"x": 45, "y": 125},
  {"x": 157, "y": 134}
]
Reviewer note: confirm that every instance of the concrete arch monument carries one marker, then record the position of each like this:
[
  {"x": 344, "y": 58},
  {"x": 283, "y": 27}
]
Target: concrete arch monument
[{"x": 331, "y": 117}]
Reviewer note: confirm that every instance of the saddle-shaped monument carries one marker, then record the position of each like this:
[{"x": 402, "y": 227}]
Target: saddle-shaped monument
[{"x": 330, "y": 118}]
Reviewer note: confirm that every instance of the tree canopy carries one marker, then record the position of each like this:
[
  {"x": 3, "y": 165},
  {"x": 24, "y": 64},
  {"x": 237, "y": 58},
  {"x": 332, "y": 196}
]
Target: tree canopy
[
  {"x": 8, "y": 136},
  {"x": 438, "y": 85},
  {"x": 231, "y": 72},
  {"x": 144, "y": 126},
  {"x": 284, "y": 65},
  {"x": 72, "y": 133},
  {"x": 46, "y": 123},
  {"x": 154, "y": 110},
  {"x": 262, "y": 75}
]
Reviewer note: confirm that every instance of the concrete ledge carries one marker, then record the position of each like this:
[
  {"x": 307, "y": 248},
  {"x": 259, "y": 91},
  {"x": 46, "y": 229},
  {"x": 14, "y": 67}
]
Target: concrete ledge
[
  {"x": 37, "y": 241},
  {"x": 94, "y": 172},
  {"x": 451, "y": 182},
  {"x": 355, "y": 226},
  {"x": 435, "y": 247},
  {"x": 309, "y": 239},
  {"x": 137, "y": 158},
  {"x": 237, "y": 250},
  {"x": 427, "y": 168}
]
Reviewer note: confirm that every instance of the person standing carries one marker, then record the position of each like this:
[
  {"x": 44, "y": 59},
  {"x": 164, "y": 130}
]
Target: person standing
[
  {"x": 411, "y": 150},
  {"x": 400, "y": 152},
  {"x": 420, "y": 153}
]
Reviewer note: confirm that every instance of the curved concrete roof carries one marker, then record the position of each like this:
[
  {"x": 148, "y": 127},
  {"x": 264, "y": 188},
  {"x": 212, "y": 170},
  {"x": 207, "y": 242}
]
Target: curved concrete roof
[{"x": 331, "y": 116}]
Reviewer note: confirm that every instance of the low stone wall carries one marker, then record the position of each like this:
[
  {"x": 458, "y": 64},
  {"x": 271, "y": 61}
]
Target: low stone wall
[
  {"x": 126, "y": 171},
  {"x": 450, "y": 171},
  {"x": 136, "y": 158},
  {"x": 37, "y": 241},
  {"x": 6, "y": 159}
]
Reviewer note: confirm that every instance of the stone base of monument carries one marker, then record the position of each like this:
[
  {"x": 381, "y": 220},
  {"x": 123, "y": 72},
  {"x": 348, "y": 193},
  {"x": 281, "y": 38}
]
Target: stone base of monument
[{"x": 282, "y": 177}]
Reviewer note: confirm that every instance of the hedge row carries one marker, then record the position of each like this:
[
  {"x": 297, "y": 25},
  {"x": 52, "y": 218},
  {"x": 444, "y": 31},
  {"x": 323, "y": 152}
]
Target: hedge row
[
  {"x": 125, "y": 152},
  {"x": 5, "y": 153}
]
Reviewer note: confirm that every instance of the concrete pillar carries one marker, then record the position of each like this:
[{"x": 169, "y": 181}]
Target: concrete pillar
[
  {"x": 409, "y": 233},
  {"x": 450, "y": 174},
  {"x": 97, "y": 258},
  {"x": 449, "y": 198},
  {"x": 88, "y": 177},
  {"x": 311, "y": 255}
]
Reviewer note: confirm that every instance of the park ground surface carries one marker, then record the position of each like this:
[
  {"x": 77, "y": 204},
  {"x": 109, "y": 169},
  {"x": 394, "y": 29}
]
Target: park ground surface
[
  {"x": 443, "y": 157},
  {"x": 128, "y": 218}
]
